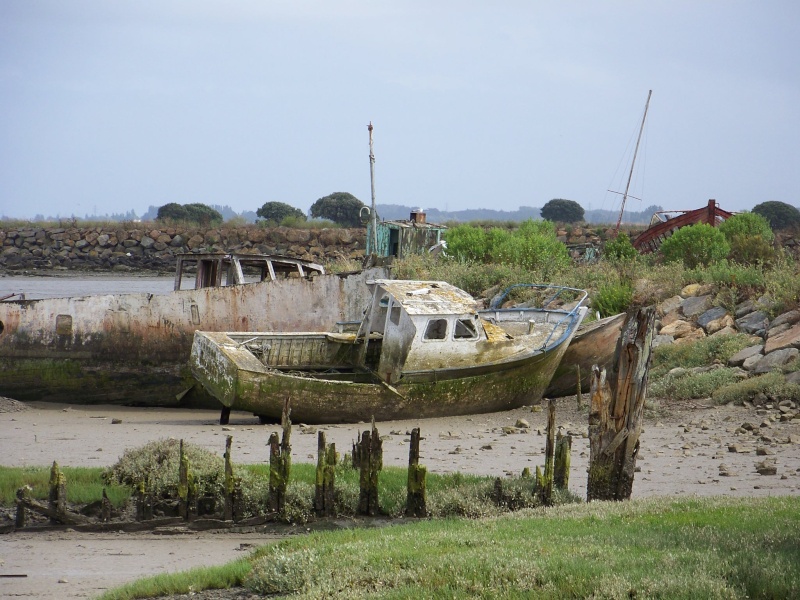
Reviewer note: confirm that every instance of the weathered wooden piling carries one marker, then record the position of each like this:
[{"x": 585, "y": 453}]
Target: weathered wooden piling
[
  {"x": 187, "y": 487},
  {"x": 370, "y": 458},
  {"x": 23, "y": 497},
  {"x": 579, "y": 395},
  {"x": 549, "y": 454},
  {"x": 105, "y": 507},
  {"x": 144, "y": 502},
  {"x": 562, "y": 461},
  {"x": 324, "y": 489},
  {"x": 416, "y": 504},
  {"x": 615, "y": 417},
  {"x": 280, "y": 462},
  {"x": 228, "y": 484},
  {"x": 58, "y": 493}
]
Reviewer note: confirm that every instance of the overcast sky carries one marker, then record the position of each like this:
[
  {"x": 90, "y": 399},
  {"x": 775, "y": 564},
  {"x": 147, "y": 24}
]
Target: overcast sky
[{"x": 108, "y": 106}]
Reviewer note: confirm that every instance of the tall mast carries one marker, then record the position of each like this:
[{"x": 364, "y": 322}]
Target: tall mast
[
  {"x": 373, "y": 213},
  {"x": 633, "y": 162}
]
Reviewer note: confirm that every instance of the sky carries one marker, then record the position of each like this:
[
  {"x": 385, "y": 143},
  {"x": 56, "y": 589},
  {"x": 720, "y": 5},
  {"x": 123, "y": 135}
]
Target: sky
[{"x": 107, "y": 107}]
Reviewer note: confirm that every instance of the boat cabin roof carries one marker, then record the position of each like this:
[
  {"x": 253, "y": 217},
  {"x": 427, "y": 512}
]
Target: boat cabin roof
[
  {"x": 428, "y": 297},
  {"x": 212, "y": 266}
]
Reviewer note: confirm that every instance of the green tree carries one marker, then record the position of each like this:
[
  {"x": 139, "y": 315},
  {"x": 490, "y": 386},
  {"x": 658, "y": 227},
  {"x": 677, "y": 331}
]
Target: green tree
[
  {"x": 340, "y": 207},
  {"x": 198, "y": 213},
  {"x": 278, "y": 211},
  {"x": 695, "y": 245},
  {"x": 173, "y": 211},
  {"x": 562, "y": 211},
  {"x": 779, "y": 214}
]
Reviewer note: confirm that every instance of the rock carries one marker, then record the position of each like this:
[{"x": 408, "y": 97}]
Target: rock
[
  {"x": 737, "y": 360},
  {"x": 774, "y": 331},
  {"x": 788, "y": 318},
  {"x": 695, "y": 289},
  {"x": 748, "y": 426},
  {"x": 670, "y": 305},
  {"x": 678, "y": 329},
  {"x": 724, "y": 331},
  {"x": 719, "y": 324},
  {"x": 695, "y": 334},
  {"x": 745, "y": 308},
  {"x": 787, "y": 339},
  {"x": 522, "y": 424},
  {"x": 510, "y": 430},
  {"x": 778, "y": 358},
  {"x": 750, "y": 362},
  {"x": 793, "y": 378},
  {"x": 712, "y": 314},
  {"x": 755, "y": 322},
  {"x": 116, "y": 421},
  {"x": 767, "y": 467},
  {"x": 764, "y": 451},
  {"x": 661, "y": 340},
  {"x": 696, "y": 305}
]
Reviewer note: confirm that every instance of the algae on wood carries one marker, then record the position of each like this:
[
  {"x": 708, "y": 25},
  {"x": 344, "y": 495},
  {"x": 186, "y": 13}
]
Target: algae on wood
[
  {"x": 280, "y": 462},
  {"x": 370, "y": 459},
  {"x": 416, "y": 505},
  {"x": 324, "y": 489}
]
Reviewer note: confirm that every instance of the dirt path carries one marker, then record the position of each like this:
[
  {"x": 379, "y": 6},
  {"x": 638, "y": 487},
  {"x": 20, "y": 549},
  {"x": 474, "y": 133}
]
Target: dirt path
[{"x": 683, "y": 452}]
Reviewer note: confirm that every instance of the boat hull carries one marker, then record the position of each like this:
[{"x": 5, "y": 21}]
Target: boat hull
[
  {"x": 240, "y": 382},
  {"x": 134, "y": 348},
  {"x": 593, "y": 344}
]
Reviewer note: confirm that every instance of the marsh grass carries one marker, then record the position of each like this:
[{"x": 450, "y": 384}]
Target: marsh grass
[
  {"x": 658, "y": 547},
  {"x": 84, "y": 484}
]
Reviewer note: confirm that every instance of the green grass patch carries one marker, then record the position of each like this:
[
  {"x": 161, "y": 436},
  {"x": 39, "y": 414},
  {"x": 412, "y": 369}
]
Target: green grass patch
[
  {"x": 658, "y": 547},
  {"x": 773, "y": 385},
  {"x": 703, "y": 352},
  {"x": 683, "y": 385},
  {"x": 84, "y": 484}
]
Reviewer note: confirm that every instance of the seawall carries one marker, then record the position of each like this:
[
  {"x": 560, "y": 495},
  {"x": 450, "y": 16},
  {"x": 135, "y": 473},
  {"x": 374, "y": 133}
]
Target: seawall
[{"x": 154, "y": 247}]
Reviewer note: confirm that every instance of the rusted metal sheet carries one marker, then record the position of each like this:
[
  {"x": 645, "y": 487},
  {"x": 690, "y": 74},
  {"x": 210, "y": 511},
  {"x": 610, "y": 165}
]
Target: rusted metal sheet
[{"x": 134, "y": 347}]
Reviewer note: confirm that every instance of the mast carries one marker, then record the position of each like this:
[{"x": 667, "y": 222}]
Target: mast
[
  {"x": 633, "y": 162},
  {"x": 373, "y": 213}
]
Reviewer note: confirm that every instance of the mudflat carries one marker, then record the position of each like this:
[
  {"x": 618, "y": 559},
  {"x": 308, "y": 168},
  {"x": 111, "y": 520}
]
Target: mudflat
[{"x": 686, "y": 449}]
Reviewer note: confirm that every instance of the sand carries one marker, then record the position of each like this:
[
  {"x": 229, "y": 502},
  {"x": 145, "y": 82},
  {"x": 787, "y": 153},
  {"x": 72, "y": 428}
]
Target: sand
[{"x": 684, "y": 451}]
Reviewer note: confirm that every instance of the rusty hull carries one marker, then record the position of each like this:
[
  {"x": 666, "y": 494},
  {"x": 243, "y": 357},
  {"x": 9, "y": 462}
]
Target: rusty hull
[{"x": 134, "y": 348}]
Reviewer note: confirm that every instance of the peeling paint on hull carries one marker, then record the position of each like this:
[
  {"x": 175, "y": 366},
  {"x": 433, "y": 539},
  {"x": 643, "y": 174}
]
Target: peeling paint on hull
[{"x": 134, "y": 348}]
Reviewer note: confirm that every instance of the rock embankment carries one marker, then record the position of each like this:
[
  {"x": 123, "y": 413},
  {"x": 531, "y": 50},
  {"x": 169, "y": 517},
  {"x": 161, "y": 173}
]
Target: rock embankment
[
  {"x": 775, "y": 342},
  {"x": 154, "y": 247}
]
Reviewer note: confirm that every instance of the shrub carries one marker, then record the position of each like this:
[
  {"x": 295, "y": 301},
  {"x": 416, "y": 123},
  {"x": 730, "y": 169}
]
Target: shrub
[
  {"x": 773, "y": 385},
  {"x": 779, "y": 214},
  {"x": 683, "y": 385},
  {"x": 695, "y": 245},
  {"x": 752, "y": 249},
  {"x": 747, "y": 225},
  {"x": 281, "y": 572},
  {"x": 612, "y": 299},
  {"x": 620, "y": 248},
  {"x": 467, "y": 242},
  {"x": 699, "y": 353}
]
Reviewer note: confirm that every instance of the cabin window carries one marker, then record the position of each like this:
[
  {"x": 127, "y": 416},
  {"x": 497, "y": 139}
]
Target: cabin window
[
  {"x": 394, "y": 315},
  {"x": 465, "y": 330},
  {"x": 384, "y": 301},
  {"x": 436, "y": 329}
]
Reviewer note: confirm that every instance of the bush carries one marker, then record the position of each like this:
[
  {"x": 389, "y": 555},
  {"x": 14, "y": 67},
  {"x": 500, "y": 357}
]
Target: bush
[
  {"x": 773, "y": 385},
  {"x": 612, "y": 299},
  {"x": 684, "y": 386},
  {"x": 620, "y": 248},
  {"x": 747, "y": 225},
  {"x": 699, "y": 353},
  {"x": 467, "y": 242},
  {"x": 779, "y": 214},
  {"x": 695, "y": 245}
]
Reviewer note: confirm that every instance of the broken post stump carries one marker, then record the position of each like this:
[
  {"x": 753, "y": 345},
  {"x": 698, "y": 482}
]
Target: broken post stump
[
  {"x": 280, "y": 462},
  {"x": 58, "y": 493},
  {"x": 562, "y": 461},
  {"x": 370, "y": 457},
  {"x": 549, "y": 455},
  {"x": 324, "y": 489},
  {"x": 25, "y": 503},
  {"x": 579, "y": 395},
  {"x": 617, "y": 406},
  {"x": 228, "y": 484},
  {"x": 105, "y": 508},
  {"x": 416, "y": 505},
  {"x": 23, "y": 496},
  {"x": 144, "y": 503}
]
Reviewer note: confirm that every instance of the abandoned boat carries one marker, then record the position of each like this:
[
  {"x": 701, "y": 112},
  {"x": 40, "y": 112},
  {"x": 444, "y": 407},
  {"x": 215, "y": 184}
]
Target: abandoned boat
[
  {"x": 134, "y": 348},
  {"x": 423, "y": 349}
]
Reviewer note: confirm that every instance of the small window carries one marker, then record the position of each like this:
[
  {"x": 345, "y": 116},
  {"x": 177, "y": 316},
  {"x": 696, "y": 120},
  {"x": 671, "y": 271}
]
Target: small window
[
  {"x": 465, "y": 330},
  {"x": 394, "y": 315},
  {"x": 436, "y": 329}
]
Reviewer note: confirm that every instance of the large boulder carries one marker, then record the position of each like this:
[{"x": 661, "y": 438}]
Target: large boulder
[
  {"x": 737, "y": 360},
  {"x": 776, "y": 359},
  {"x": 754, "y": 322},
  {"x": 788, "y": 339},
  {"x": 695, "y": 305}
]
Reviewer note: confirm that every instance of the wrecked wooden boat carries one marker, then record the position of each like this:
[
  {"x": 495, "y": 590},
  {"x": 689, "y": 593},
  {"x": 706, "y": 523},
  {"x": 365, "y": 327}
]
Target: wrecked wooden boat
[
  {"x": 666, "y": 222},
  {"x": 134, "y": 348},
  {"x": 423, "y": 349},
  {"x": 594, "y": 343}
]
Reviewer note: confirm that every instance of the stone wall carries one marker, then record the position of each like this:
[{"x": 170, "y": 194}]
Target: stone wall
[{"x": 154, "y": 247}]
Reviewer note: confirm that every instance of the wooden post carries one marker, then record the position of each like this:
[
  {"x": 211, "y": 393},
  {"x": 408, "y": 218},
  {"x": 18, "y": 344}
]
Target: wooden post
[
  {"x": 105, "y": 507},
  {"x": 562, "y": 461},
  {"x": 187, "y": 488},
  {"x": 579, "y": 396},
  {"x": 615, "y": 417},
  {"x": 23, "y": 496},
  {"x": 144, "y": 503},
  {"x": 280, "y": 462},
  {"x": 549, "y": 455},
  {"x": 229, "y": 481},
  {"x": 371, "y": 460},
  {"x": 324, "y": 491},
  {"x": 415, "y": 496},
  {"x": 58, "y": 492}
]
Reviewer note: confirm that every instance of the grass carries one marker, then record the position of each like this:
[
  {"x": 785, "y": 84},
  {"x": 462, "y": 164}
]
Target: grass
[
  {"x": 659, "y": 547},
  {"x": 84, "y": 484}
]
